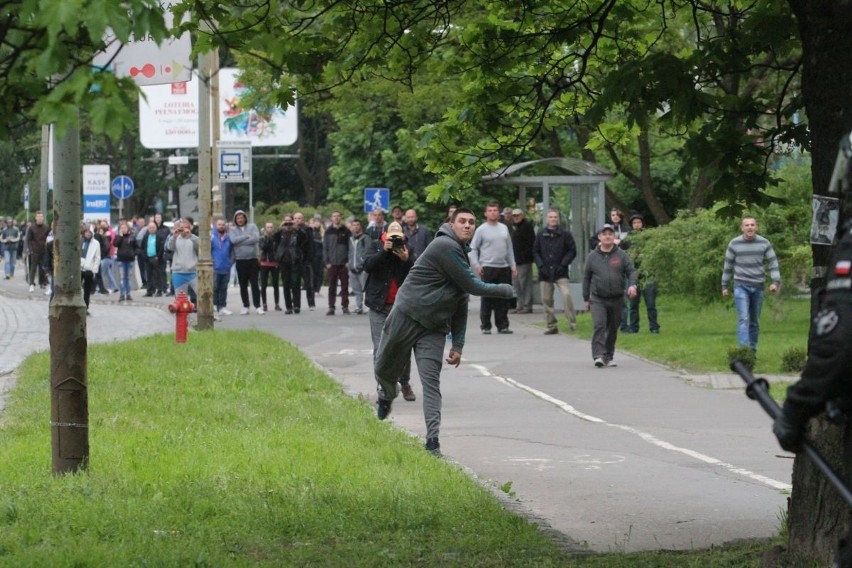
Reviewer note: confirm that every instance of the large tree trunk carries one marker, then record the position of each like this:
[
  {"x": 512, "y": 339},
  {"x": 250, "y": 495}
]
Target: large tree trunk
[{"x": 818, "y": 518}]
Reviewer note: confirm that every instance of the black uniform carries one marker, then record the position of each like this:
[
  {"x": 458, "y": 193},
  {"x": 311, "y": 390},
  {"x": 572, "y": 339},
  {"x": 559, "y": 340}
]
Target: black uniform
[{"x": 828, "y": 373}]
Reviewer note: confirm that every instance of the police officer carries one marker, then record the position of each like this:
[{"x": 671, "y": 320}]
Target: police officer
[{"x": 826, "y": 377}]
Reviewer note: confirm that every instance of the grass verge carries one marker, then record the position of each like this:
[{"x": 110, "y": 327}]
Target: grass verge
[{"x": 234, "y": 450}]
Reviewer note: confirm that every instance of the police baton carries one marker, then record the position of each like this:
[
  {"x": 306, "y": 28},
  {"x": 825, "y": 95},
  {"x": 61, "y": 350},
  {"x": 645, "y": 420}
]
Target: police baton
[{"x": 758, "y": 389}]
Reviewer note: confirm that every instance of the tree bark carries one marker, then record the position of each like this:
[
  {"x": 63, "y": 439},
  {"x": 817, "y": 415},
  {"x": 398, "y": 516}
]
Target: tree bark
[{"x": 818, "y": 518}]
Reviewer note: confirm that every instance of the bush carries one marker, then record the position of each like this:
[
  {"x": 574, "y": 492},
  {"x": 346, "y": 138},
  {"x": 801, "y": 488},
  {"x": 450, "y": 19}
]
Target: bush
[
  {"x": 744, "y": 354},
  {"x": 793, "y": 360},
  {"x": 686, "y": 256}
]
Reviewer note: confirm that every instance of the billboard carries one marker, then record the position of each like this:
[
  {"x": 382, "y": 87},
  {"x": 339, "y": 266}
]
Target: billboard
[
  {"x": 168, "y": 116},
  {"x": 96, "y": 197}
]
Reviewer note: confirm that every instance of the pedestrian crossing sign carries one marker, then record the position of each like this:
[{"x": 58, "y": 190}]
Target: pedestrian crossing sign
[{"x": 376, "y": 198}]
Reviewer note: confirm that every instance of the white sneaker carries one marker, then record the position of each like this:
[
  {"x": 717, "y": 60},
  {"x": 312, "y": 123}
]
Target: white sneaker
[
  {"x": 216, "y": 317},
  {"x": 244, "y": 312},
  {"x": 225, "y": 312},
  {"x": 599, "y": 363},
  {"x": 47, "y": 291},
  {"x": 32, "y": 288},
  {"x": 259, "y": 311},
  {"x": 611, "y": 363}
]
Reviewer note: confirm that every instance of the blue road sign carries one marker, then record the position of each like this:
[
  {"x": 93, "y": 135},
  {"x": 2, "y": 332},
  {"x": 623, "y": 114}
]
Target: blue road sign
[
  {"x": 122, "y": 187},
  {"x": 376, "y": 198}
]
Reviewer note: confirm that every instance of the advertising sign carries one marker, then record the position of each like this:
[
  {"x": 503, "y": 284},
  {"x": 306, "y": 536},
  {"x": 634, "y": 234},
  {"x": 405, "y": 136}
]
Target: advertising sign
[
  {"x": 168, "y": 116},
  {"x": 146, "y": 62},
  {"x": 96, "y": 186}
]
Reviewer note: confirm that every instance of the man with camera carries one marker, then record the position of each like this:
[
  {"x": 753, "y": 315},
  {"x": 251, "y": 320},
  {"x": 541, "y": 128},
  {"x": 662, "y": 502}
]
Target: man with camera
[
  {"x": 184, "y": 246},
  {"x": 432, "y": 302},
  {"x": 387, "y": 266}
]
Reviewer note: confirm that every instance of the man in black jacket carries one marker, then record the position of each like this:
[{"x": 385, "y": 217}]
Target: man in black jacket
[
  {"x": 387, "y": 266},
  {"x": 825, "y": 377},
  {"x": 554, "y": 251},
  {"x": 523, "y": 240}
]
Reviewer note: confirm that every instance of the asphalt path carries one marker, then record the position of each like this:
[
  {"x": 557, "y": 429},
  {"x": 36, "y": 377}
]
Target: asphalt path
[{"x": 636, "y": 457}]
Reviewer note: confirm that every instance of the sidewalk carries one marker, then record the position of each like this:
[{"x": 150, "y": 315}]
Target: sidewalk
[{"x": 637, "y": 457}]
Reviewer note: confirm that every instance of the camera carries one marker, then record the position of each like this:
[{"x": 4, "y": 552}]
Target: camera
[{"x": 398, "y": 243}]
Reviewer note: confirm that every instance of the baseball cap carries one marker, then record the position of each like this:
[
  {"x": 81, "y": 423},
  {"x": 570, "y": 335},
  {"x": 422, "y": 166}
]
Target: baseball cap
[
  {"x": 395, "y": 230},
  {"x": 517, "y": 212},
  {"x": 606, "y": 227}
]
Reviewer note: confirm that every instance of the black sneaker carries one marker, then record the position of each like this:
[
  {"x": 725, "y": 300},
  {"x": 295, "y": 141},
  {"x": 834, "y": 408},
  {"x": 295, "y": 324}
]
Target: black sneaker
[
  {"x": 505, "y": 331},
  {"x": 345, "y": 310},
  {"x": 383, "y": 409},
  {"x": 486, "y": 332},
  {"x": 433, "y": 446},
  {"x": 330, "y": 312}
]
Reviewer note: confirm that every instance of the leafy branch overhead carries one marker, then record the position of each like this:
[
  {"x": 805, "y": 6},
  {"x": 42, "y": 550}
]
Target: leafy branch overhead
[{"x": 525, "y": 77}]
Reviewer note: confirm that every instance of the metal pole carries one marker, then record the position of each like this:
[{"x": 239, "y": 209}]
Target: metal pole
[
  {"x": 206, "y": 69},
  {"x": 45, "y": 166},
  {"x": 69, "y": 403}
]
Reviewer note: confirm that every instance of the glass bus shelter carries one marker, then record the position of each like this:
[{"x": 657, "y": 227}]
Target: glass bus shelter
[{"x": 576, "y": 188}]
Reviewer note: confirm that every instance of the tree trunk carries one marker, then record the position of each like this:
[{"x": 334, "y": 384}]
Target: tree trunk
[{"x": 818, "y": 518}]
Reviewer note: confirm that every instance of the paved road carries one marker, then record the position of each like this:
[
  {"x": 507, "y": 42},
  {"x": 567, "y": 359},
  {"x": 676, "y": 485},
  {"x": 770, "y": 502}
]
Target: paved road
[{"x": 631, "y": 458}]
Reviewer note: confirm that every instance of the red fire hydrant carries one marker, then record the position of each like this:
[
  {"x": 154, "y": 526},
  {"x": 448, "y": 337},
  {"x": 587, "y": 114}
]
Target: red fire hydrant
[{"x": 181, "y": 307}]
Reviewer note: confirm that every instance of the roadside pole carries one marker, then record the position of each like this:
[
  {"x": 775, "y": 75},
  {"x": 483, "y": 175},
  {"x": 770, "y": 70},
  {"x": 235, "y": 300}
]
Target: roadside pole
[
  {"x": 69, "y": 398},
  {"x": 207, "y": 63}
]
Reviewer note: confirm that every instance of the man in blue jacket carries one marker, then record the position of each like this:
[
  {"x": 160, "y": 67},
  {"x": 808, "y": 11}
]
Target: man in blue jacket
[
  {"x": 222, "y": 254},
  {"x": 431, "y": 302}
]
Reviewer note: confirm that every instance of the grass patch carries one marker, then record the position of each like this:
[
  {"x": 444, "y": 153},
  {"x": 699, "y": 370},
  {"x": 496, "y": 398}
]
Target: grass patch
[
  {"x": 234, "y": 450},
  {"x": 696, "y": 337}
]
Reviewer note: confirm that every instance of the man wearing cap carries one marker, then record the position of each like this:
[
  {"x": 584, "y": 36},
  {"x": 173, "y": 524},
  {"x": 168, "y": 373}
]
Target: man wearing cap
[
  {"x": 9, "y": 237},
  {"x": 523, "y": 239},
  {"x": 387, "y": 265},
  {"x": 647, "y": 286},
  {"x": 493, "y": 260},
  {"x": 607, "y": 269}
]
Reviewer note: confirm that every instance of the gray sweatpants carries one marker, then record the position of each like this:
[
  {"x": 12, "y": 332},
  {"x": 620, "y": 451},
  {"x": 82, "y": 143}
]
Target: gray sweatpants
[
  {"x": 377, "y": 322},
  {"x": 400, "y": 335},
  {"x": 606, "y": 317}
]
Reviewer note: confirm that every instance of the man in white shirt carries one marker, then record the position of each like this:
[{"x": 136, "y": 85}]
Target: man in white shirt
[{"x": 493, "y": 260}]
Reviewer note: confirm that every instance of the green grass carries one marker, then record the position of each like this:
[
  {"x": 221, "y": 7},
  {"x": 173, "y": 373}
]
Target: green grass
[
  {"x": 696, "y": 337},
  {"x": 234, "y": 450}
]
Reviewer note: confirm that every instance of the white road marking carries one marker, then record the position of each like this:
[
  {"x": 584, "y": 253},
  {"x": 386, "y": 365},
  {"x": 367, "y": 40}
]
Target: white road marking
[{"x": 564, "y": 406}]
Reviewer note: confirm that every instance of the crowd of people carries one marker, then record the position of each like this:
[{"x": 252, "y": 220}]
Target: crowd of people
[{"x": 412, "y": 281}]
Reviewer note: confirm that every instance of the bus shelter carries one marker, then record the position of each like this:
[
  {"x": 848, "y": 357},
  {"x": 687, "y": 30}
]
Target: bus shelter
[{"x": 576, "y": 188}]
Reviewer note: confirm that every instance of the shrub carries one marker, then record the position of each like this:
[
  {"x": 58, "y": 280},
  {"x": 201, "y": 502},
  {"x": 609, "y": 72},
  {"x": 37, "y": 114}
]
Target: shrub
[
  {"x": 793, "y": 360},
  {"x": 685, "y": 257},
  {"x": 744, "y": 354}
]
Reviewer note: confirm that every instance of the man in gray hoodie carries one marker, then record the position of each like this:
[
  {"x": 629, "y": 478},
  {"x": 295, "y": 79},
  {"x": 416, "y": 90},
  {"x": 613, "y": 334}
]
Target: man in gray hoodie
[
  {"x": 244, "y": 239},
  {"x": 608, "y": 267},
  {"x": 430, "y": 303}
]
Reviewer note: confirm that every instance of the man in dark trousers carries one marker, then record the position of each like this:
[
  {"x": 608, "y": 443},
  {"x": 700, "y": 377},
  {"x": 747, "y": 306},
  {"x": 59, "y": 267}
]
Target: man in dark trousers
[
  {"x": 523, "y": 240},
  {"x": 608, "y": 267},
  {"x": 335, "y": 251},
  {"x": 387, "y": 265},
  {"x": 36, "y": 244},
  {"x": 431, "y": 302}
]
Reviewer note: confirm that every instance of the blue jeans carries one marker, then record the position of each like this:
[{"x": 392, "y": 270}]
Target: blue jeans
[
  {"x": 107, "y": 274},
  {"x": 10, "y": 257},
  {"x": 748, "y": 301},
  {"x": 125, "y": 269},
  {"x": 220, "y": 289}
]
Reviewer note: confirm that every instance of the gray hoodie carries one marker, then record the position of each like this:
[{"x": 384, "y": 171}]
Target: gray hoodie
[
  {"x": 435, "y": 293},
  {"x": 606, "y": 272},
  {"x": 244, "y": 239}
]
